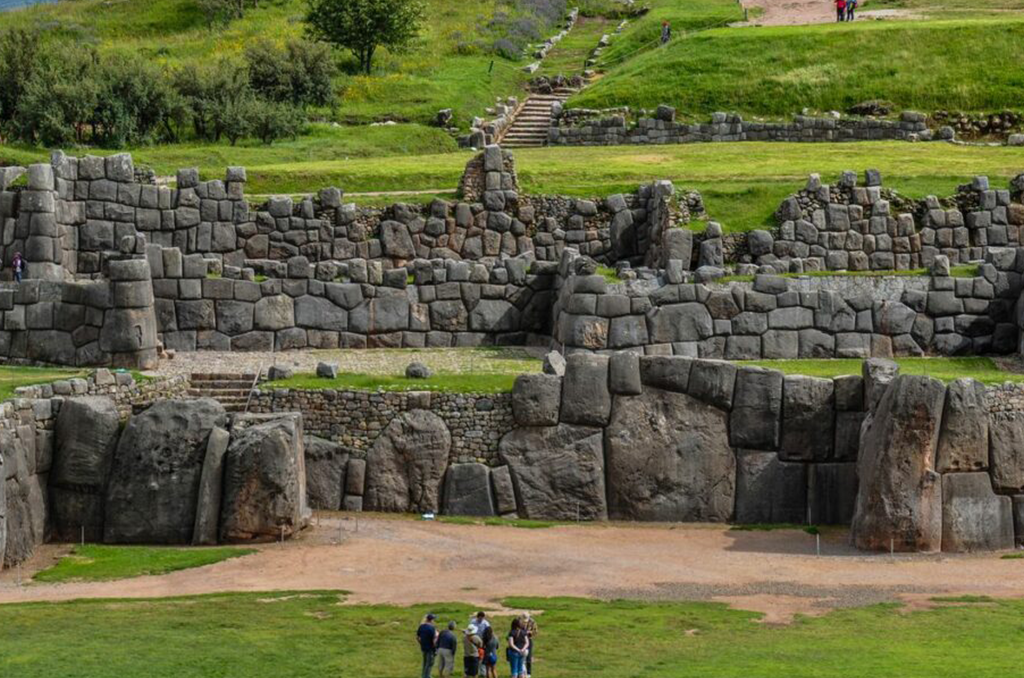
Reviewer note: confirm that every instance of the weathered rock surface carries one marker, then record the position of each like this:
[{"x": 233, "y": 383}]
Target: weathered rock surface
[
  {"x": 86, "y": 437},
  {"x": 536, "y": 398},
  {"x": 555, "y": 470},
  {"x": 757, "y": 409},
  {"x": 1006, "y": 431},
  {"x": 211, "y": 486},
  {"x": 154, "y": 480},
  {"x": 808, "y": 419},
  {"x": 676, "y": 465},
  {"x": 769, "y": 490},
  {"x": 974, "y": 518},
  {"x": 900, "y": 494},
  {"x": 326, "y": 462},
  {"x": 832, "y": 493},
  {"x": 406, "y": 464},
  {"x": 504, "y": 490},
  {"x": 467, "y": 491},
  {"x": 963, "y": 440},
  {"x": 265, "y": 481},
  {"x": 586, "y": 399},
  {"x": 25, "y": 519},
  {"x": 878, "y": 374}
]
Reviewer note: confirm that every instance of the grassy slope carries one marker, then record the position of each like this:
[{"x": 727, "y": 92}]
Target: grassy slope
[
  {"x": 94, "y": 562},
  {"x": 946, "y": 369},
  {"x": 310, "y": 635},
  {"x": 13, "y": 377},
  {"x": 568, "y": 56},
  {"x": 777, "y": 71}
]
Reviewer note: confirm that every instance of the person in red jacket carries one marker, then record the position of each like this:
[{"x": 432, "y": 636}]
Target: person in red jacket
[{"x": 840, "y": 10}]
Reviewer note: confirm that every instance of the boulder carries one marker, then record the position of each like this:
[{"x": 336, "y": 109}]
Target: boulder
[
  {"x": 963, "y": 439},
  {"x": 326, "y": 462},
  {"x": 264, "y": 480},
  {"x": 279, "y": 372},
  {"x": 86, "y": 435},
  {"x": 154, "y": 479},
  {"x": 467, "y": 491},
  {"x": 756, "y": 419},
  {"x": 504, "y": 491},
  {"x": 669, "y": 458},
  {"x": 769, "y": 490},
  {"x": 974, "y": 518},
  {"x": 1006, "y": 446},
  {"x": 557, "y": 471},
  {"x": 327, "y": 370},
  {"x": 899, "y": 499},
  {"x": 586, "y": 398},
  {"x": 554, "y": 363},
  {"x": 832, "y": 493},
  {"x": 406, "y": 464},
  {"x": 536, "y": 398},
  {"x": 808, "y": 419},
  {"x": 211, "y": 485},
  {"x": 418, "y": 371}
]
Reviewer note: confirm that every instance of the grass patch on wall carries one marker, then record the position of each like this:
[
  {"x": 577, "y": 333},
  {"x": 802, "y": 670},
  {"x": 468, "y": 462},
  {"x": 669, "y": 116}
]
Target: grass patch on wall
[
  {"x": 12, "y": 377},
  {"x": 309, "y": 635},
  {"x": 97, "y": 562},
  {"x": 983, "y": 369},
  {"x": 439, "y": 382},
  {"x": 959, "y": 271}
]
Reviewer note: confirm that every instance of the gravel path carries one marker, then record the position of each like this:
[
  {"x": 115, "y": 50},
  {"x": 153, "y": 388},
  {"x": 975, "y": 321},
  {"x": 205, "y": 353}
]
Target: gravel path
[{"x": 386, "y": 559}]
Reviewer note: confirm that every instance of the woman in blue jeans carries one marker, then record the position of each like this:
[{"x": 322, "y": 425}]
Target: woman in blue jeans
[{"x": 518, "y": 646}]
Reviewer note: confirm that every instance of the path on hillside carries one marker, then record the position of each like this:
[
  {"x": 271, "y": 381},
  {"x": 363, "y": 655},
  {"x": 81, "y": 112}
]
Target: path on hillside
[
  {"x": 388, "y": 559},
  {"x": 798, "y": 12}
]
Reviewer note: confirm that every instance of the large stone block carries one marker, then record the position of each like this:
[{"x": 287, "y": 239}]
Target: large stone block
[
  {"x": 808, "y": 419},
  {"x": 406, "y": 464},
  {"x": 769, "y": 490},
  {"x": 154, "y": 480},
  {"x": 963, "y": 439},
  {"x": 669, "y": 458},
  {"x": 86, "y": 437},
  {"x": 756, "y": 420},
  {"x": 878, "y": 373},
  {"x": 494, "y": 315},
  {"x": 679, "y": 322},
  {"x": 557, "y": 471},
  {"x": 265, "y": 481},
  {"x": 504, "y": 490},
  {"x": 832, "y": 493},
  {"x": 899, "y": 500},
  {"x": 536, "y": 399},
  {"x": 319, "y": 313},
  {"x": 671, "y": 373},
  {"x": 326, "y": 462},
  {"x": 974, "y": 518},
  {"x": 467, "y": 491},
  {"x": 713, "y": 381},
  {"x": 586, "y": 398},
  {"x": 1006, "y": 448},
  {"x": 274, "y": 313},
  {"x": 211, "y": 486},
  {"x": 25, "y": 518}
]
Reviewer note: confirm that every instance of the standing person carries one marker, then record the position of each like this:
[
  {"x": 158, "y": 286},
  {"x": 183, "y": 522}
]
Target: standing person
[
  {"x": 666, "y": 32},
  {"x": 447, "y": 644},
  {"x": 479, "y": 620},
  {"x": 840, "y": 10},
  {"x": 490, "y": 652},
  {"x": 518, "y": 647},
  {"x": 850, "y": 6},
  {"x": 530, "y": 626},
  {"x": 426, "y": 634},
  {"x": 471, "y": 644},
  {"x": 18, "y": 264}
]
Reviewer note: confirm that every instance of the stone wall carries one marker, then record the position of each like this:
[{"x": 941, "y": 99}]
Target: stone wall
[{"x": 589, "y": 128}]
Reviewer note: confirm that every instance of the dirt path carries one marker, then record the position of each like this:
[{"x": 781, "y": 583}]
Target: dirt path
[
  {"x": 798, "y": 12},
  {"x": 388, "y": 560}
]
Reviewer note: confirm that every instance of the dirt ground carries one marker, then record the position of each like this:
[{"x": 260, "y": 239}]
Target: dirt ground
[
  {"x": 798, "y": 12},
  {"x": 404, "y": 561}
]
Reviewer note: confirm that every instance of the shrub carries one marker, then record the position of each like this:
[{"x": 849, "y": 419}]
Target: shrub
[
  {"x": 272, "y": 121},
  {"x": 301, "y": 73}
]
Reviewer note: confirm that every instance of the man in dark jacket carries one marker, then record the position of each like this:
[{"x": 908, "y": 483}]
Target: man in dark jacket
[{"x": 426, "y": 634}]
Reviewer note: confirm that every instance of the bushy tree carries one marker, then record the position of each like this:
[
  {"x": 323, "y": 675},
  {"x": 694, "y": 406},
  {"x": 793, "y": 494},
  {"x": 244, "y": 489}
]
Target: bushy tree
[
  {"x": 363, "y": 26},
  {"x": 301, "y": 73},
  {"x": 134, "y": 102},
  {"x": 272, "y": 120},
  {"x": 206, "y": 91},
  {"x": 57, "y": 104},
  {"x": 19, "y": 58}
]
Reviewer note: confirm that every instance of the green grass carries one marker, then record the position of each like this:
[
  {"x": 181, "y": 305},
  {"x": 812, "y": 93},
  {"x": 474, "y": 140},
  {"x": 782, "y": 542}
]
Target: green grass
[
  {"x": 12, "y": 377},
  {"x": 609, "y": 274},
  {"x": 94, "y": 562},
  {"x": 777, "y": 71},
  {"x": 960, "y": 271},
  {"x": 946, "y": 369},
  {"x": 568, "y": 56},
  {"x": 309, "y": 635},
  {"x": 440, "y": 382},
  {"x": 964, "y": 599},
  {"x": 1013, "y": 556}
]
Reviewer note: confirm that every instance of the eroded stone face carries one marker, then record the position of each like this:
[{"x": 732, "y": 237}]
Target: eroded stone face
[
  {"x": 963, "y": 441},
  {"x": 406, "y": 464},
  {"x": 669, "y": 458},
  {"x": 326, "y": 462}
]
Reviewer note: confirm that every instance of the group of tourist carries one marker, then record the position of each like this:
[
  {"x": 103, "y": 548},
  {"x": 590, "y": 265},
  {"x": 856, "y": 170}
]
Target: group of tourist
[
  {"x": 480, "y": 646},
  {"x": 845, "y": 9}
]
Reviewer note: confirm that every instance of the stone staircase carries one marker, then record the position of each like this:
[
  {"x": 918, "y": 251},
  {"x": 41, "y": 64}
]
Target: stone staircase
[
  {"x": 230, "y": 390},
  {"x": 531, "y": 124}
]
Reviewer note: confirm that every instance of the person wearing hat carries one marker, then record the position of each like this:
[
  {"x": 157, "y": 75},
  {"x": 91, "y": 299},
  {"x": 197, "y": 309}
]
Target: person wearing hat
[
  {"x": 447, "y": 644},
  {"x": 426, "y": 634},
  {"x": 471, "y": 645}
]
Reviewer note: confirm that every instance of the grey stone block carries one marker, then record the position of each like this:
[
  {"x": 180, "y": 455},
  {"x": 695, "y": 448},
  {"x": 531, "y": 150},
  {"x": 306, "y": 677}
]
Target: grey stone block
[
  {"x": 808, "y": 419},
  {"x": 586, "y": 398},
  {"x": 536, "y": 399}
]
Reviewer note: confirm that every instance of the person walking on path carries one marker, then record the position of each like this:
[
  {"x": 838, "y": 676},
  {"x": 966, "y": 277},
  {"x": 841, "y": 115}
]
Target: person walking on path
[
  {"x": 530, "y": 626},
  {"x": 666, "y": 32},
  {"x": 18, "y": 265},
  {"x": 426, "y": 634},
  {"x": 518, "y": 647},
  {"x": 472, "y": 644},
  {"x": 447, "y": 644},
  {"x": 840, "y": 10},
  {"x": 490, "y": 652},
  {"x": 850, "y": 6}
]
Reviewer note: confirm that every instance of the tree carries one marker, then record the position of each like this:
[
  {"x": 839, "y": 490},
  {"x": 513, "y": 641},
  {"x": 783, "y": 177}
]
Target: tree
[
  {"x": 20, "y": 52},
  {"x": 271, "y": 121},
  {"x": 302, "y": 73},
  {"x": 364, "y": 25}
]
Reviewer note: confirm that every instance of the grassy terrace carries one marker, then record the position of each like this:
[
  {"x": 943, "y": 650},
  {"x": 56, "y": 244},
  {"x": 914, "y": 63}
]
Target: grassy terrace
[
  {"x": 310, "y": 635},
  {"x": 961, "y": 271},
  {"x": 95, "y": 562},
  {"x": 14, "y": 377}
]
